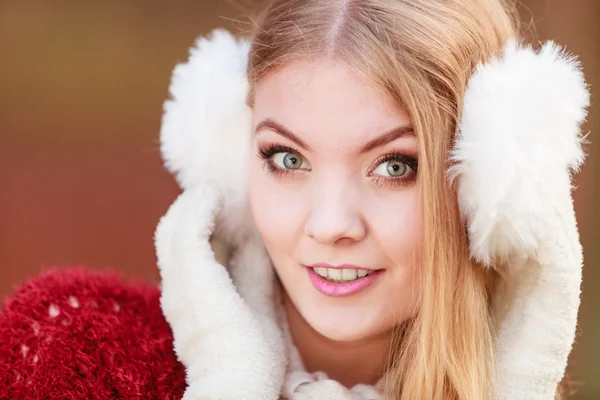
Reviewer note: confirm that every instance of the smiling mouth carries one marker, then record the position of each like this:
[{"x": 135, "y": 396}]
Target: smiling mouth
[
  {"x": 342, "y": 280},
  {"x": 337, "y": 275}
]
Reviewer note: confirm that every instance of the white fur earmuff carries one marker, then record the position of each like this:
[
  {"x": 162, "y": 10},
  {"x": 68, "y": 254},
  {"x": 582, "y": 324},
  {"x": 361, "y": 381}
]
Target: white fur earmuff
[
  {"x": 518, "y": 146},
  {"x": 519, "y": 142},
  {"x": 218, "y": 292}
]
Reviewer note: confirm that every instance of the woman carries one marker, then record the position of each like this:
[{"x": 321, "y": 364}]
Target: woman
[
  {"x": 376, "y": 204},
  {"x": 414, "y": 206}
]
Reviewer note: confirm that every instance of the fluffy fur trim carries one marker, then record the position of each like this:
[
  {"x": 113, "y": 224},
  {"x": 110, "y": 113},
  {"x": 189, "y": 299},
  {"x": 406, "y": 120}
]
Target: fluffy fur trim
[
  {"x": 519, "y": 140},
  {"x": 519, "y": 143},
  {"x": 223, "y": 313},
  {"x": 231, "y": 350},
  {"x": 206, "y": 127}
]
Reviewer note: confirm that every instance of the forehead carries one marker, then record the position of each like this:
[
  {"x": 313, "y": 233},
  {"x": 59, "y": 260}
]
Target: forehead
[{"x": 326, "y": 100}]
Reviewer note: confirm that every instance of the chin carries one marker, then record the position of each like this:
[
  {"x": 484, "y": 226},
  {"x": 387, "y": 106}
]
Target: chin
[
  {"x": 346, "y": 323},
  {"x": 347, "y": 333}
]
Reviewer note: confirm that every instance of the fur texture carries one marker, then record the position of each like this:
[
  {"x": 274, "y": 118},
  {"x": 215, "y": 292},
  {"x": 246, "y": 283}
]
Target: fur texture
[
  {"x": 224, "y": 333},
  {"x": 519, "y": 142},
  {"x": 207, "y": 110}
]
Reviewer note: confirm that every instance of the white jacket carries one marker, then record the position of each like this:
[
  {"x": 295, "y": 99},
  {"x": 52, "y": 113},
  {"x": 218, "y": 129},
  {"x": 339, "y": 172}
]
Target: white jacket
[{"x": 519, "y": 143}]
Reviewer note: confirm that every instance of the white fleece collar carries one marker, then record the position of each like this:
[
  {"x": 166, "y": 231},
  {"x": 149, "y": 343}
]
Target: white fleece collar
[{"x": 519, "y": 143}]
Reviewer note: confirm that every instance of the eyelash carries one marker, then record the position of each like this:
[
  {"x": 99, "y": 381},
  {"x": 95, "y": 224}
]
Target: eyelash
[
  {"x": 403, "y": 181},
  {"x": 267, "y": 152}
]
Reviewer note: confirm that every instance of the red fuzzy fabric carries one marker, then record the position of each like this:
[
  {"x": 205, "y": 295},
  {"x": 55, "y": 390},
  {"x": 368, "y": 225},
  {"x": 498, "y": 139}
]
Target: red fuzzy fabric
[{"x": 79, "y": 334}]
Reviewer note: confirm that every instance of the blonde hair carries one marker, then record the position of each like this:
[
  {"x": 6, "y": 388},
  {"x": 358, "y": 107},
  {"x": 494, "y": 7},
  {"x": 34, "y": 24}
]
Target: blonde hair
[{"x": 421, "y": 53}]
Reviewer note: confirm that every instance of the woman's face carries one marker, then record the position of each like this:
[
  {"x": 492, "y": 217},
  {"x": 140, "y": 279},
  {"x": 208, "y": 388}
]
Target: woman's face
[{"x": 333, "y": 193}]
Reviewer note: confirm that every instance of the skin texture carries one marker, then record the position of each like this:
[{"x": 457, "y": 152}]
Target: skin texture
[{"x": 339, "y": 205}]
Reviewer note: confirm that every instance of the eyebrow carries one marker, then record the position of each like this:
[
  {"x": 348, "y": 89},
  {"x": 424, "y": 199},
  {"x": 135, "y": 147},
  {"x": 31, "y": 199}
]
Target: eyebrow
[
  {"x": 388, "y": 137},
  {"x": 283, "y": 131},
  {"x": 379, "y": 141}
]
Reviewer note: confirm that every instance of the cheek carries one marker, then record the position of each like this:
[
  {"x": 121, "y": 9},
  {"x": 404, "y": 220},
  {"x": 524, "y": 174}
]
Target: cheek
[
  {"x": 398, "y": 228},
  {"x": 276, "y": 210},
  {"x": 396, "y": 225}
]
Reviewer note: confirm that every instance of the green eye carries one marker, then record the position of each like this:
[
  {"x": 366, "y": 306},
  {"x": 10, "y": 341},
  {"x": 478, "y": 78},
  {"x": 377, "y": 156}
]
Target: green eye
[
  {"x": 392, "y": 168},
  {"x": 396, "y": 168},
  {"x": 289, "y": 161}
]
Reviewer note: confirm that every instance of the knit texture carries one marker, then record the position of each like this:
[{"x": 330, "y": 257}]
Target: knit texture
[{"x": 81, "y": 334}]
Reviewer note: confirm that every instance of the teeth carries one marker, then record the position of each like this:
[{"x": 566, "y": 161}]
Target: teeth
[
  {"x": 349, "y": 274},
  {"x": 334, "y": 274},
  {"x": 321, "y": 271},
  {"x": 341, "y": 275}
]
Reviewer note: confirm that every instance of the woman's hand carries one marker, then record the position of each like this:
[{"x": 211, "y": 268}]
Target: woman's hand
[{"x": 228, "y": 349}]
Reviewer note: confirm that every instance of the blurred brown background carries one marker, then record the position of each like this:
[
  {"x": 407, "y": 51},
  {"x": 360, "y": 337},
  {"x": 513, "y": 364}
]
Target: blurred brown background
[{"x": 81, "y": 91}]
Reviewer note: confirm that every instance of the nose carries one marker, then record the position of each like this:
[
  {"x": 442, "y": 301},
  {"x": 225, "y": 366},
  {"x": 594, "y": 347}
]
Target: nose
[{"x": 335, "y": 215}]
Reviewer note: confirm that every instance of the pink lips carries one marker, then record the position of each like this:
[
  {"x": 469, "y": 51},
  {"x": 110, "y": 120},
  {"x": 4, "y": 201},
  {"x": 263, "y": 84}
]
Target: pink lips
[{"x": 334, "y": 289}]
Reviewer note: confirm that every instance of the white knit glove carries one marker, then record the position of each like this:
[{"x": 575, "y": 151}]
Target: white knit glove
[{"x": 230, "y": 351}]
